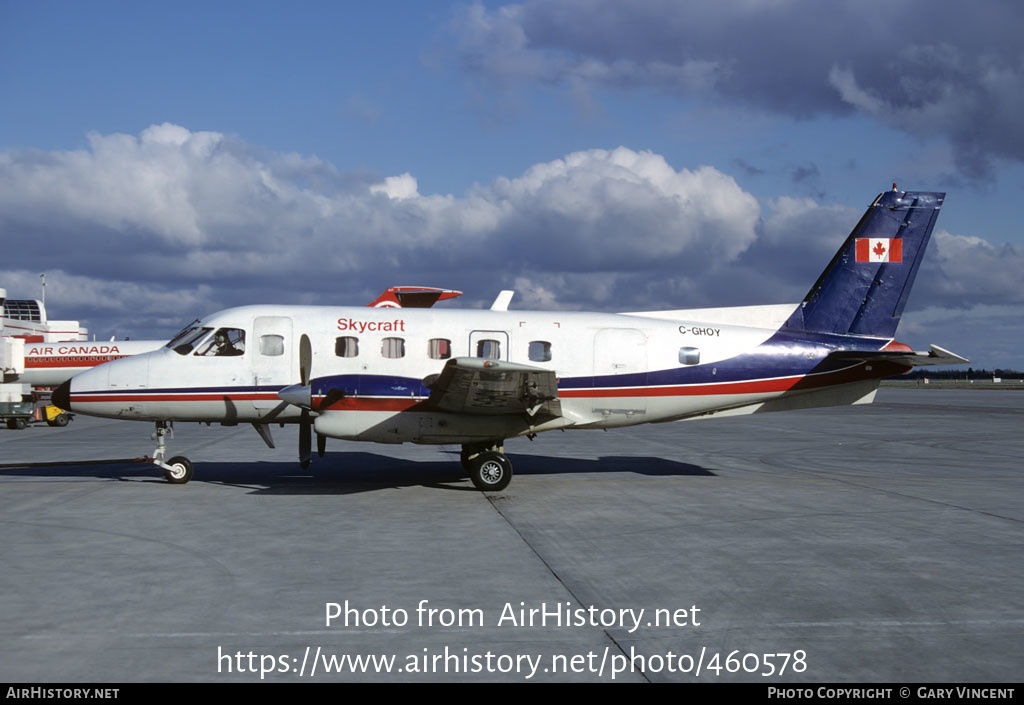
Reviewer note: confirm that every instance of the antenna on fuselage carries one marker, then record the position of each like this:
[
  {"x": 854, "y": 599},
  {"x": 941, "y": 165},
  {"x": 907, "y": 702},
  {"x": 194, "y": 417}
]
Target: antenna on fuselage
[{"x": 504, "y": 299}]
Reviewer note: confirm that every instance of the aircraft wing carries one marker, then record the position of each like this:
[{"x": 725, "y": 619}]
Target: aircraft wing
[
  {"x": 471, "y": 385},
  {"x": 910, "y": 358}
]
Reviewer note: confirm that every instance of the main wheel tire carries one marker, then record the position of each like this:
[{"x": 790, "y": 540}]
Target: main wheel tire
[
  {"x": 182, "y": 470},
  {"x": 490, "y": 471}
]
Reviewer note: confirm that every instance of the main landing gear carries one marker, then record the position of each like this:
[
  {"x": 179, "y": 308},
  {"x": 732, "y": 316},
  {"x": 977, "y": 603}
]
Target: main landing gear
[
  {"x": 177, "y": 470},
  {"x": 488, "y": 466}
]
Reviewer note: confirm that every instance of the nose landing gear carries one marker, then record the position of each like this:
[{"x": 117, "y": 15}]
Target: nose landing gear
[{"x": 177, "y": 470}]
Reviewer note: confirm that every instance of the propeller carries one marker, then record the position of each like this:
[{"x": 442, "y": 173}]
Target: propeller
[
  {"x": 305, "y": 425},
  {"x": 301, "y": 395}
]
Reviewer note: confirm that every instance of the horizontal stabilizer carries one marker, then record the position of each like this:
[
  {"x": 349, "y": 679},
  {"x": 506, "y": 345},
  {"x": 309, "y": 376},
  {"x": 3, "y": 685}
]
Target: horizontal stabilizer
[{"x": 910, "y": 358}]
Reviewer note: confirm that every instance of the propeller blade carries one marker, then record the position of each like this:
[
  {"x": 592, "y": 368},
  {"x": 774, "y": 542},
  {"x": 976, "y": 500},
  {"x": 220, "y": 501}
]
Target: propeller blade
[
  {"x": 305, "y": 359},
  {"x": 321, "y": 444},
  {"x": 332, "y": 397},
  {"x": 301, "y": 394},
  {"x": 305, "y": 438}
]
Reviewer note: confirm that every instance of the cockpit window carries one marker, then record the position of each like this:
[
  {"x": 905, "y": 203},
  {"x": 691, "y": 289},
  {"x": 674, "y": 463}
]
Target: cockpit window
[
  {"x": 226, "y": 342},
  {"x": 186, "y": 340}
]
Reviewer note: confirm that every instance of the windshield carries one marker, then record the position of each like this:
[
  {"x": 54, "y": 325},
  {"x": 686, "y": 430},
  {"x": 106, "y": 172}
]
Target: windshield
[
  {"x": 188, "y": 327},
  {"x": 186, "y": 340}
]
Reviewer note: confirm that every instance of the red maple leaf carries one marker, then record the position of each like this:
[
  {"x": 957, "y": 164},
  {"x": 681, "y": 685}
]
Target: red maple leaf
[{"x": 878, "y": 249}]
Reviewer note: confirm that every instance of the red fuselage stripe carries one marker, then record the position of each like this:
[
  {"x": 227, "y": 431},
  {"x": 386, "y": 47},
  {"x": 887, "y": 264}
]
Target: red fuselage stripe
[
  {"x": 757, "y": 387},
  {"x": 372, "y": 404}
]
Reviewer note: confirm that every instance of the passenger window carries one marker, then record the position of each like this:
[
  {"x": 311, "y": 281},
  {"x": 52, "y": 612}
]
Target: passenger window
[
  {"x": 346, "y": 346},
  {"x": 272, "y": 345},
  {"x": 439, "y": 348},
  {"x": 488, "y": 349},
  {"x": 540, "y": 351},
  {"x": 689, "y": 356},
  {"x": 393, "y": 347},
  {"x": 226, "y": 342}
]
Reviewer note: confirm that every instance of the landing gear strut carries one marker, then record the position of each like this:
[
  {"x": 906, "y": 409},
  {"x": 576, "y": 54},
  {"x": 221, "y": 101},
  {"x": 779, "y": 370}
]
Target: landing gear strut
[
  {"x": 177, "y": 470},
  {"x": 488, "y": 467}
]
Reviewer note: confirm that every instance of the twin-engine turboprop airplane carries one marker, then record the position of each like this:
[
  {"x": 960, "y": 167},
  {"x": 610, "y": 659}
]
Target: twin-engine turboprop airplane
[{"x": 476, "y": 378}]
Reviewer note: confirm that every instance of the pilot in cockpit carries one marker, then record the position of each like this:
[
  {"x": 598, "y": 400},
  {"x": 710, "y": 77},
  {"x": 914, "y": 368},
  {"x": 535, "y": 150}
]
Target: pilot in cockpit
[{"x": 227, "y": 342}]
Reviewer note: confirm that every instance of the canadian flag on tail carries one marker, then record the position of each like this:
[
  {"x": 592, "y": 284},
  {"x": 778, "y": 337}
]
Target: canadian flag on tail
[{"x": 879, "y": 249}]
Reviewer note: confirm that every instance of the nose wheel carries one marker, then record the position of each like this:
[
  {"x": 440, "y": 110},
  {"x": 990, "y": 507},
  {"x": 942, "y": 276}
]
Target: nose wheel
[{"x": 179, "y": 471}]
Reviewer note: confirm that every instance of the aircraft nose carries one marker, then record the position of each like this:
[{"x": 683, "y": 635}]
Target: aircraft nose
[{"x": 61, "y": 396}]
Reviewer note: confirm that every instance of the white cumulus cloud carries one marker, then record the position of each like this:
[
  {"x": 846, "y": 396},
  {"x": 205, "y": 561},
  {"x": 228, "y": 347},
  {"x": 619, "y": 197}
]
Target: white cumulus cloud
[{"x": 139, "y": 230}]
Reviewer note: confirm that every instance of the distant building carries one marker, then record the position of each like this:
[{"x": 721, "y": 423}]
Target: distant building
[{"x": 26, "y": 318}]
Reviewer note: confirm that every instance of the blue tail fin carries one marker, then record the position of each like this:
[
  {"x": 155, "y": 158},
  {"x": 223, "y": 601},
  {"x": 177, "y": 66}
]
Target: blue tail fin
[{"x": 865, "y": 287}]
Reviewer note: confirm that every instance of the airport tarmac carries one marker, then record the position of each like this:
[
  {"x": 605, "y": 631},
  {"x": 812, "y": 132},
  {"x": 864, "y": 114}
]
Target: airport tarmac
[{"x": 871, "y": 543}]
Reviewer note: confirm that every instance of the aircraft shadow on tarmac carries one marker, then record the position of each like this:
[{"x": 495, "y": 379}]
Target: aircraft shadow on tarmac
[{"x": 350, "y": 473}]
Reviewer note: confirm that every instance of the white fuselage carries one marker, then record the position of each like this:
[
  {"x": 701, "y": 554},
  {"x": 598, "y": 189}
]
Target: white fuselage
[{"x": 612, "y": 369}]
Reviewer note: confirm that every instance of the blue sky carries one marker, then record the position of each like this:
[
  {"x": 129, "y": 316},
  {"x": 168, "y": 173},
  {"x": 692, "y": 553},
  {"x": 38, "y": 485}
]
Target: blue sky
[{"x": 161, "y": 161}]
